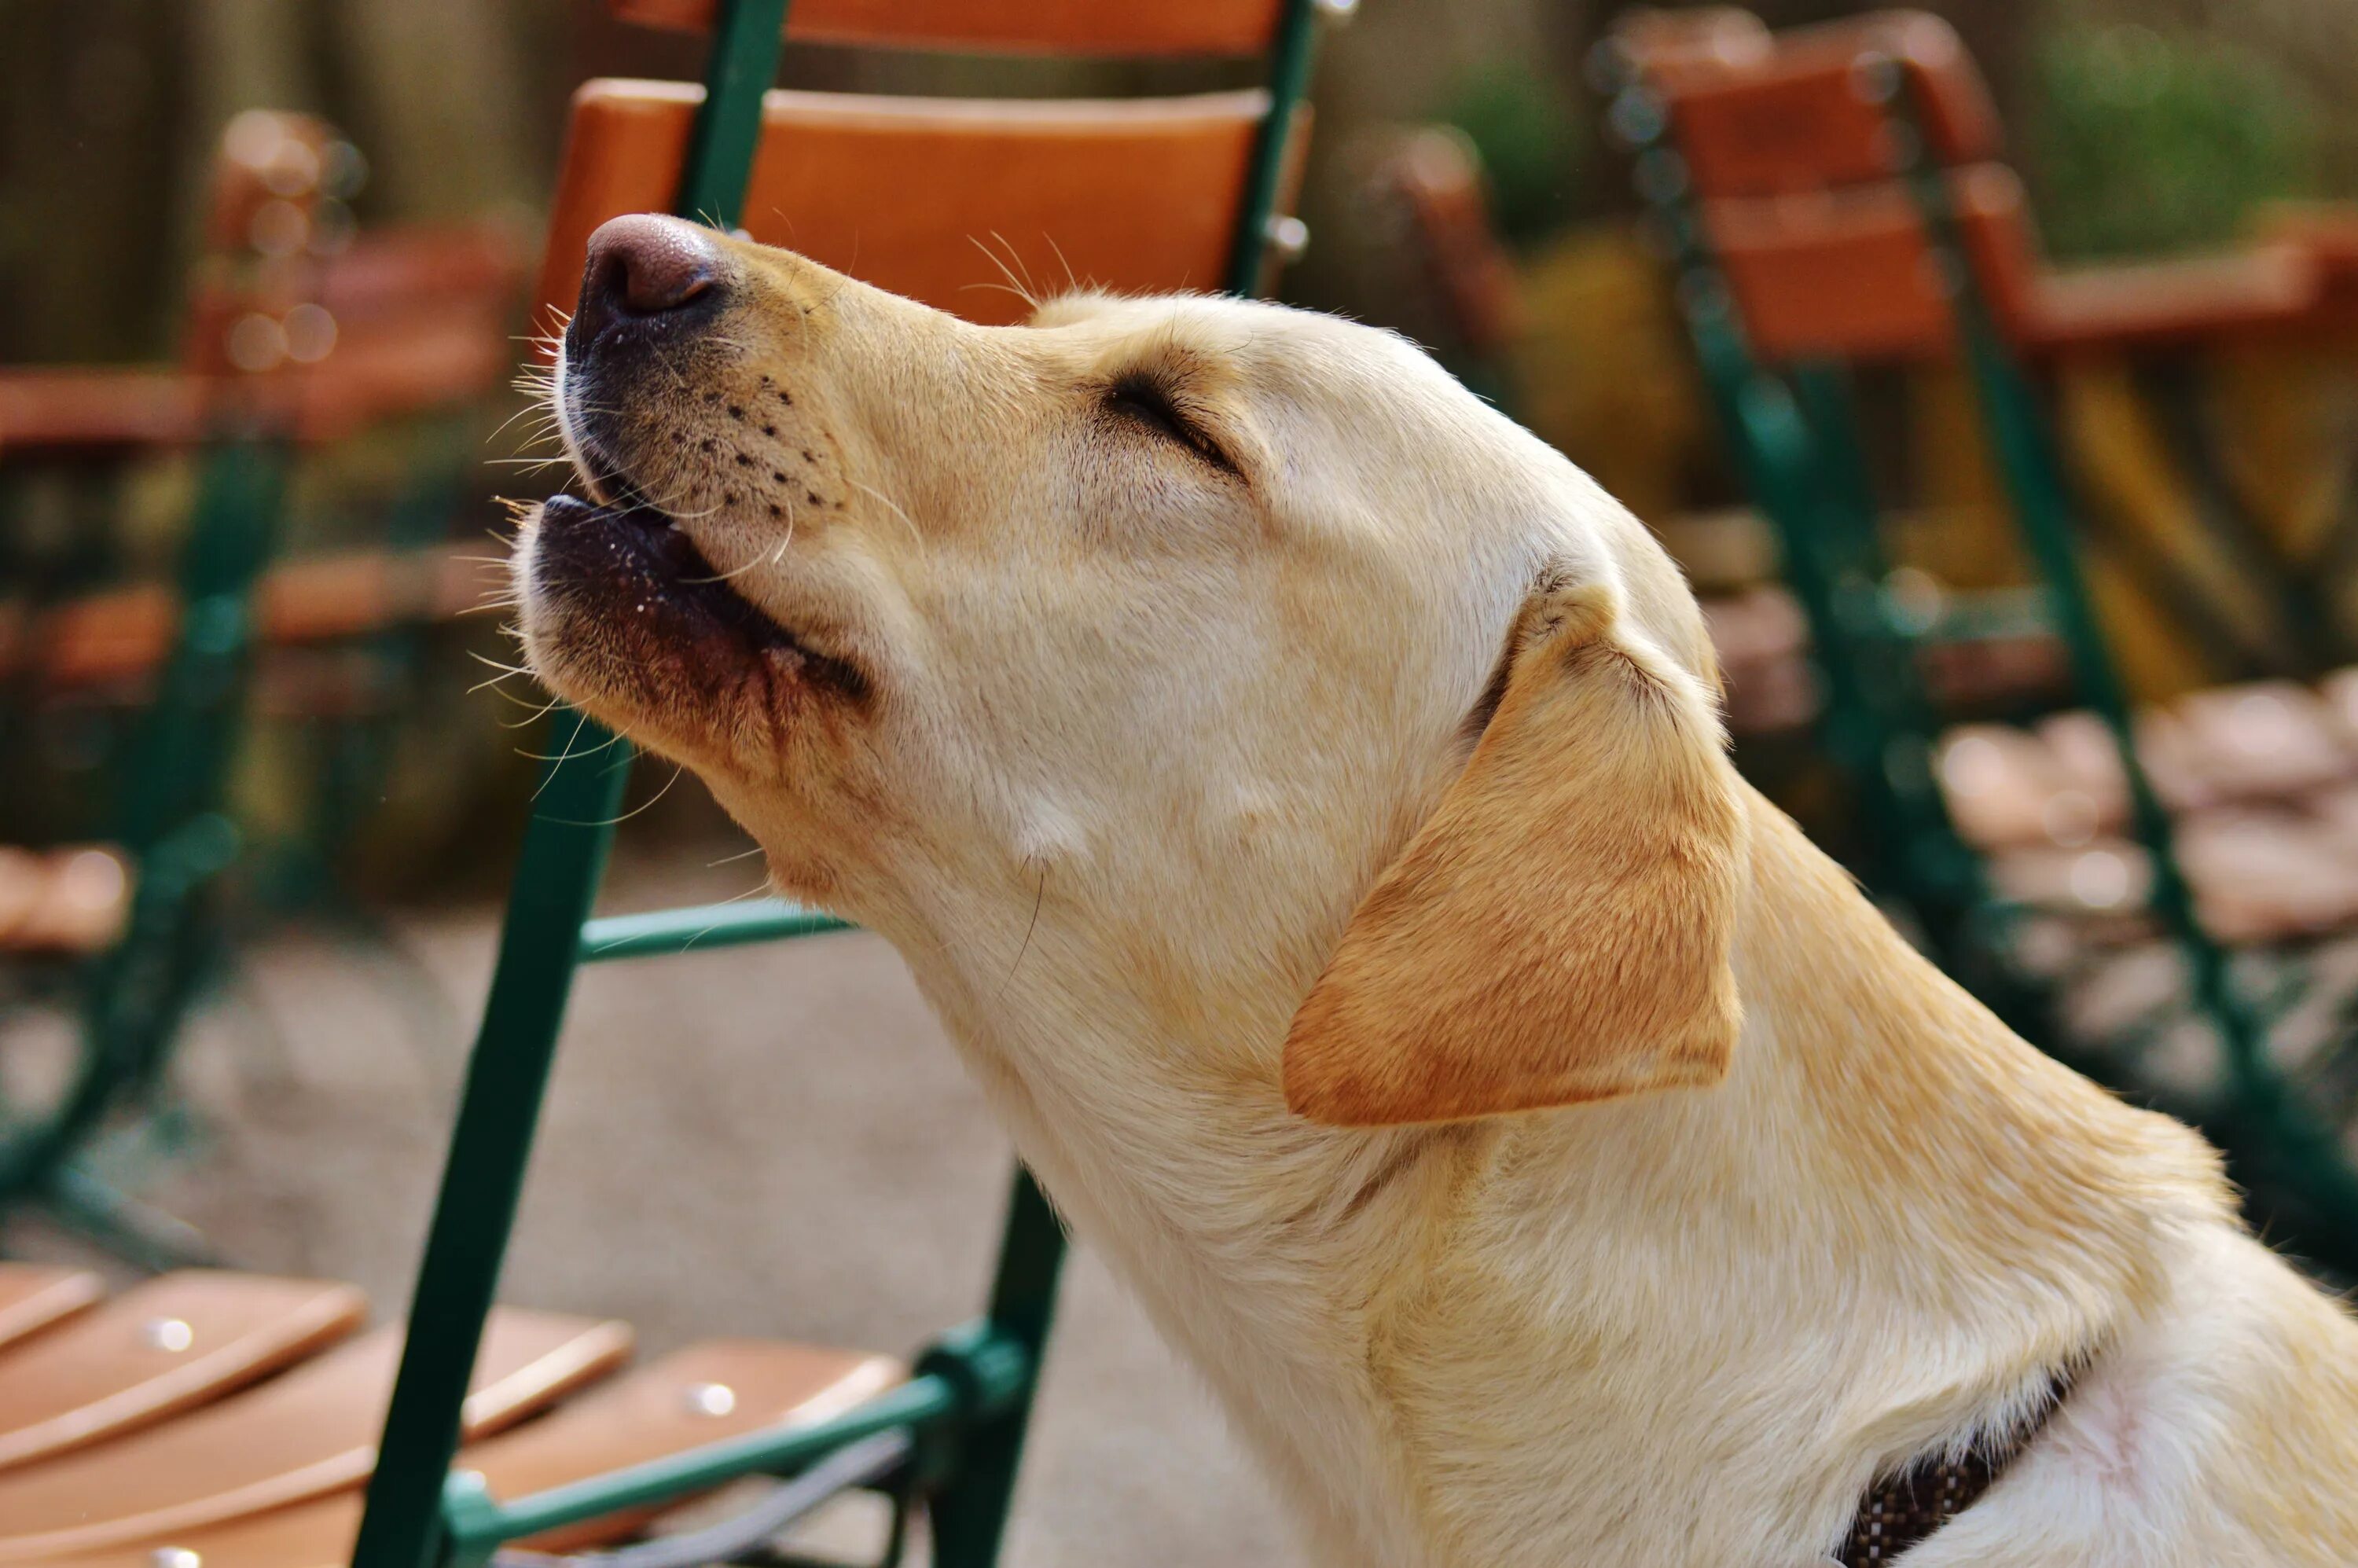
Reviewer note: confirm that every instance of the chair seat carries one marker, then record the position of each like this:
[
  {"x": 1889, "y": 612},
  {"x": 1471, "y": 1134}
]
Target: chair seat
[
  {"x": 33, "y": 1297},
  {"x": 99, "y": 407},
  {"x": 308, "y": 1431},
  {"x": 698, "y": 1395},
  {"x": 233, "y": 1416},
  {"x": 1771, "y": 685},
  {"x": 69, "y": 900},
  {"x": 2261, "y": 781},
  {"x": 160, "y": 1348}
]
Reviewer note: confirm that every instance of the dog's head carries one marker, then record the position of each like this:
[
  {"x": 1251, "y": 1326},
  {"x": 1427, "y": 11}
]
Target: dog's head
[{"x": 1203, "y": 647}]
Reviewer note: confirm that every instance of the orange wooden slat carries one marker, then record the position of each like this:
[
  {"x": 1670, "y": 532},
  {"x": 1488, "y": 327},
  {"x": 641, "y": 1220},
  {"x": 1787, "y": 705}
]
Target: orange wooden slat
[
  {"x": 911, "y": 194},
  {"x": 72, "y": 900},
  {"x": 160, "y": 1348},
  {"x": 1850, "y": 273},
  {"x": 1810, "y": 114},
  {"x": 311, "y": 1430},
  {"x": 1060, "y": 26},
  {"x": 35, "y": 1296},
  {"x": 698, "y": 1395},
  {"x": 126, "y": 633},
  {"x": 102, "y": 407}
]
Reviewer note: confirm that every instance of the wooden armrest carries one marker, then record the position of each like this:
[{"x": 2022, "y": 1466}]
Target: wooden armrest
[
  {"x": 35, "y": 1296},
  {"x": 161, "y": 1347},
  {"x": 2328, "y": 232},
  {"x": 102, "y": 407},
  {"x": 2153, "y": 303},
  {"x": 72, "y": 900},
  {"x": 126, "y": 633},
  {"x": 695, "y": 1396},
  {"x": 308, "y": 1431},
  {"x": 431, "y": 363},
  {"x": 406, "y": 272}
]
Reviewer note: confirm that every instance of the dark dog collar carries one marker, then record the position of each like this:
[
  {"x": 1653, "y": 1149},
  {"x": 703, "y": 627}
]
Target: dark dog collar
[{"x": 1903, "y": 1507}]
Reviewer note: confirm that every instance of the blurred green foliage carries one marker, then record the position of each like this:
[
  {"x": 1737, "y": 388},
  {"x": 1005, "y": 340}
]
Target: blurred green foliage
[
  {"x": 1532, "y": 140},
  {"x": 2146, "y": 142}
]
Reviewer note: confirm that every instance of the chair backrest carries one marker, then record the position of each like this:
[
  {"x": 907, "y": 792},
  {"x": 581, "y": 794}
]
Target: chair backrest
[
  {"x": 1853, "y": 274},
  {"x": 1796, "y": 152},
  {"x": 963, "y": 204},
  {"x": 1436, "y": 175},
  {"x": 1052, "y": 26}
]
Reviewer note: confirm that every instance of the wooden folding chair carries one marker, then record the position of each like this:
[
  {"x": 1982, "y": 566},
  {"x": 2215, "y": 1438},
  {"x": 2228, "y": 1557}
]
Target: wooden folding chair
[
  {"x": 292, "y": 345},
  {"x": 1832, "y": 200}
]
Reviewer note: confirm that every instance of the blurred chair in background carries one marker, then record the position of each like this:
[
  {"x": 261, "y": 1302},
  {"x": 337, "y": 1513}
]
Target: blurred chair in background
[
  {"x": 300, "y": 337},
  {"x": 1832, "y": 207}
]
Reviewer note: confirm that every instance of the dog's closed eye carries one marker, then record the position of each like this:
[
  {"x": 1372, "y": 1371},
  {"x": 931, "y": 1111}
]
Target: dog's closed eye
[{"x": 1143, "y": 401}]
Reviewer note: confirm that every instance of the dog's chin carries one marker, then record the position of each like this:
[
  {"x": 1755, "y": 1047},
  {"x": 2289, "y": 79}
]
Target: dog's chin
[{"x": 626, "y": 619}]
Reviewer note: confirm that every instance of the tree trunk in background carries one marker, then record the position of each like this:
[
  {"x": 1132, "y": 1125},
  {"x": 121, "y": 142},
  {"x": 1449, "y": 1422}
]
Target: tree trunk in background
[
  {"x": 250, "y": 54},
  {"x": 91, "y": 145},
  {"x": 437, "y": 108},
  {"x": 1997, "y": 33},
  {"x": 110, "y": 112}
]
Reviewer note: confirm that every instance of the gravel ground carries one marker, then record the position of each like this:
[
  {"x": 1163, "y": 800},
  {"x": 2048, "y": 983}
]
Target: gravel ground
[{"x": 771, "y": 1141}]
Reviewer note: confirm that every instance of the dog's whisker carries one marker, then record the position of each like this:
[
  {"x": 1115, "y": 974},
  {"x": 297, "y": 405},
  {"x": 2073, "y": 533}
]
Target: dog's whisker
[
  {"x": 906, "y": 521},
  {"x": 1031, "y": 300},
  {"x": 648, "y": 804}
]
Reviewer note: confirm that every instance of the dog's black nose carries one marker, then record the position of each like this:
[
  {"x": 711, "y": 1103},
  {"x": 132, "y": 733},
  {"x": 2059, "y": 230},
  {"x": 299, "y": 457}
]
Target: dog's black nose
[{"x": 643, "y": 268}]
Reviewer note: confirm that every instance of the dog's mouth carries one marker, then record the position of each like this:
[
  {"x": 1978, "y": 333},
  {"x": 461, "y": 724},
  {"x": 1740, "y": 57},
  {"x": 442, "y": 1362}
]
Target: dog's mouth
[{"x": 647, "y": 580}]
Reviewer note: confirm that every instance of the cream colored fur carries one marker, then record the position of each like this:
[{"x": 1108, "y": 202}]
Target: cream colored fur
[{"x": 1141, "y": 736}]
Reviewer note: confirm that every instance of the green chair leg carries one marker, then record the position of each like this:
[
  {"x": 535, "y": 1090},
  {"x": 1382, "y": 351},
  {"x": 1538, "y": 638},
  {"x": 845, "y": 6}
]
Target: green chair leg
[{"x": 970, "y": 1506}]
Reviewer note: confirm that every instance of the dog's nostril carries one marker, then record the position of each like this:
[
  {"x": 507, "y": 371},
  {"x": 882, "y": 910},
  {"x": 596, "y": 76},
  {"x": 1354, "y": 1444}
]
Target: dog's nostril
[{"x": 644, "y": 266}]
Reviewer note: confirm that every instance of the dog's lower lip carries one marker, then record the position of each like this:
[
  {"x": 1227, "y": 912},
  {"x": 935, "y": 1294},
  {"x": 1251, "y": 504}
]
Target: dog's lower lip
[
  {"x": 690, "y": 582},
  {"x": 661, "y": 539}
]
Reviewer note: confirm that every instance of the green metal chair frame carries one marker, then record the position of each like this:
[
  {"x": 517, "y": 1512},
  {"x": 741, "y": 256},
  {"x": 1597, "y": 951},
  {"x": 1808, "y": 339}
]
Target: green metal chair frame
[
  {"x": 964, "y": 1410},
  {"x": 1794, "y": 431},
  {"x": 170, "y": 822}
]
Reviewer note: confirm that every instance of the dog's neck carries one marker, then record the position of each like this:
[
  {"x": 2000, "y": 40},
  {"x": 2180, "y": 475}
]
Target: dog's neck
[{"x": 1869, "y": 1098}]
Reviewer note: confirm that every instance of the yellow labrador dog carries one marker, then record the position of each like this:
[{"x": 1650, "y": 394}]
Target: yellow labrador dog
[{"x": 1300, "y": 792}]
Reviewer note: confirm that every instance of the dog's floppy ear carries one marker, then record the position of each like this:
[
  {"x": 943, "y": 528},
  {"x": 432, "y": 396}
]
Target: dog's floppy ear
[{"x": 1557, "y": 930}]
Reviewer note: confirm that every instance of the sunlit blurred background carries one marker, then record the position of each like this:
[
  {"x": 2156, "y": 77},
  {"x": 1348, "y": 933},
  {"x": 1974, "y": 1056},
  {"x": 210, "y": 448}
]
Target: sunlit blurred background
[{"x": 784, "y": 1144}]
